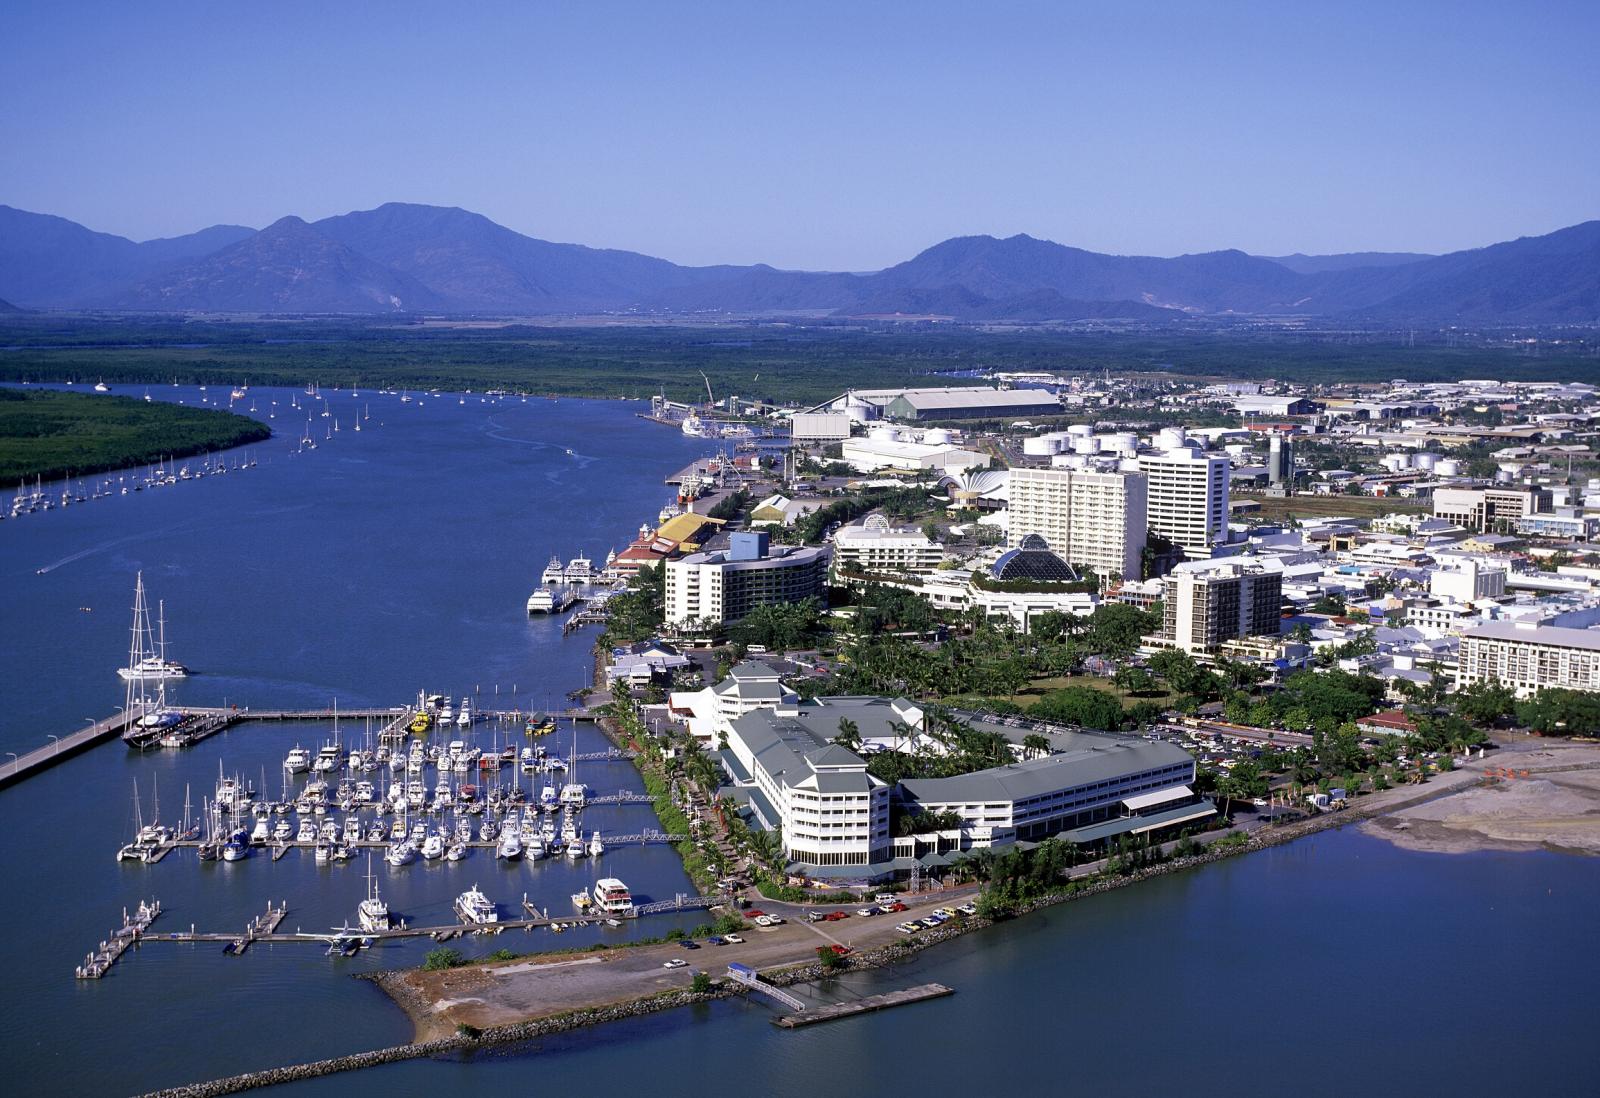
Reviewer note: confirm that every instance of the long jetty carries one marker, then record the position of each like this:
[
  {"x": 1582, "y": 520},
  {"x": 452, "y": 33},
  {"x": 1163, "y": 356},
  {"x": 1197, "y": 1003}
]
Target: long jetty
[
  {"x": 201, "y": 722},
  {"x": 862, "y": 1006}
]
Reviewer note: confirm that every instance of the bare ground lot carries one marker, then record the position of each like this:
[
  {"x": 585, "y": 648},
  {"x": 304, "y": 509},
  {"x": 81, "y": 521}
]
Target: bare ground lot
[
  {"x": 503, "y": 993},
  {"x": 1555, "y": 807}
]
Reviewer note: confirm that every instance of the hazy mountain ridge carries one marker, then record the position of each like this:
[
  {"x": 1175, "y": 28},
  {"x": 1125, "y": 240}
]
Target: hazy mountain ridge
[{"x": 412, "y": 258}]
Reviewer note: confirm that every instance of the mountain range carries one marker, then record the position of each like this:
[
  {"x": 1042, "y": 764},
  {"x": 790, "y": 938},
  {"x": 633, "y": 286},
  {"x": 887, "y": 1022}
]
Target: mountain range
[{"x": 404, "y": 258}]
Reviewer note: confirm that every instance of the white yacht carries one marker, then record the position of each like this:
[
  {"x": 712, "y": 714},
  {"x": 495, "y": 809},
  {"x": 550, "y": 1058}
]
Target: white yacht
[
  {"x": 154, "y": 667},
  {"x": 596, "y": 847},
  {"x": 693, "y": 426},
  {"x": 403, "y": 852},
  {"x": 612, "y": 897},
  {"x": 476, "y": 908},
  {"x": 261, "y": 832},
  {"x": 510, "y": 847},
  {"x": 298, "y": 760},
  {"x": 432, "y": 846},
  {"x": 580, "y": 570},
  {"x": 535, "y": 847},
  {"x": 307, "y": 832},
  {"x": 574, "y": 795},
  {"x": 464, "y": 716},
  {"x": 329, "y": 759}
]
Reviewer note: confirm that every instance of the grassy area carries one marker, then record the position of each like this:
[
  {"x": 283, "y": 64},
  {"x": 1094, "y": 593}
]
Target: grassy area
[
  {"x": 1040, "y": 687},
  {"x": 791, "y": 362},
  {"x": 52, "y": 434},
  {"x": 1303, "y": 507}
]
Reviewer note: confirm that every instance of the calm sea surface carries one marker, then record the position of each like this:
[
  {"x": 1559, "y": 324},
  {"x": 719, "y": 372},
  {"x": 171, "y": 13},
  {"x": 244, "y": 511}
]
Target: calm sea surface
[{"x": 398, "y": 559}]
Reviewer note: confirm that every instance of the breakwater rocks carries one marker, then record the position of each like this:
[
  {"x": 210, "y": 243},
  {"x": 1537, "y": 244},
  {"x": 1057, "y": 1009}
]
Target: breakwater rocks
[{"x": 456, "y": 1046}]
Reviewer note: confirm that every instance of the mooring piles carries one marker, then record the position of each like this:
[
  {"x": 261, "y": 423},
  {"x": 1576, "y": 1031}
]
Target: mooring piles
[{"x": 97, "y": 963}]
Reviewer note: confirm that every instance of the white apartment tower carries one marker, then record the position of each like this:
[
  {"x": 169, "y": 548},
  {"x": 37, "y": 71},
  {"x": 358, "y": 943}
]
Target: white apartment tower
[
  {"x": 1188, "y": 498},
  {"x": 1092, "y": 520}
]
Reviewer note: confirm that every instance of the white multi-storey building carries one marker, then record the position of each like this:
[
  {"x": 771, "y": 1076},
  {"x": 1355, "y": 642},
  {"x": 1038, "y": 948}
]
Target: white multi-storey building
[
  {"x": 714, "y": 588},
  {"x": 1092, "y": 520},
  {"x": 1528, "y": 657},
  {"x": 876, "y": 547},
  {"x": 1208, "y": 602},
  {"x": 1188, "y": 497}
]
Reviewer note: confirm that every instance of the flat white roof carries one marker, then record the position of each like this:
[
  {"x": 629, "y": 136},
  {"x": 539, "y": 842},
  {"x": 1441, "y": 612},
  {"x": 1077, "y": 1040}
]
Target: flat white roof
[
  {"x": 1538, "y": 634},
  {"x": 1158, "y": 796}
]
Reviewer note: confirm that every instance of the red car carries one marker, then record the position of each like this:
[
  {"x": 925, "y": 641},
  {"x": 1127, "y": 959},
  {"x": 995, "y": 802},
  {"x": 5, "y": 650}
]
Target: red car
[
  {"x": 835, "y": 916},
  {"x": 897, "y": 906},
  {"x": 842, "y": 951},
  {"x": 753, "y": 912}
]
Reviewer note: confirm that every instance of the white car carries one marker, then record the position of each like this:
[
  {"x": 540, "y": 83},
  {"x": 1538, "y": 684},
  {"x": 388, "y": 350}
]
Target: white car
[
  {"x": 763, "y": 920},
  {"x": 676, "y": 962},
  {"x": 733, "y": 939},
  {"x": 909, "y": 928},
  {"x": 867, "y": 912}
]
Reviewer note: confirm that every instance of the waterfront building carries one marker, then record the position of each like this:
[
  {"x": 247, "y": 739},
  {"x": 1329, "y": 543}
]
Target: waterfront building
[
  {"x": 715, "y": 588},
  {"x": 1565, "y": 522},
  {"x": 887, "y": 451},
  {"x": 1087, "y": 790},
  {"x": 1187, "y": 495},
  {"x": 1528, "y": 657},
  {"x": 876, "y": 547},
  {"x": 822, "y": 427},
  {"x": 834, "y": 815},
  {"x": 1094, "y": 520},
  {"x": 943, "y": 402},
  {"x": 1209, "y": 602}
]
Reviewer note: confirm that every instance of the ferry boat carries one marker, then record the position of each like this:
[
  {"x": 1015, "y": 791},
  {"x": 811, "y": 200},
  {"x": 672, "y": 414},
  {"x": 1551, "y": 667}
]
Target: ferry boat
[
  {"x": 551, "y": 600},
  {"x": 154, "y": 667},
  {"x": 298, "y": 760},
  {"x": 476, "y": 908},
  {"x": 693, "y": 426},
  {"x": 611, "y": 897},
  {"x": 555, "y": 572},
  {"x": 580, "y": 570}
]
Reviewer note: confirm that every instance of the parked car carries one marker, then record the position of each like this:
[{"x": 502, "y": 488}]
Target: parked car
[
  {"x": 835, "y": 916},
  {"x": 763, "y": 920},
  {"x": 968, "y": 908},
  {"x": 908, "y": 928},
  {"x": 841, "y": 950},
  {"x": 733, "y": 939},
  {"x": 867, "y": 912},
  {"x": 691, "y": 945},
  {"x": 676, "y": 962},
  {"x": 715, "y": 941}
]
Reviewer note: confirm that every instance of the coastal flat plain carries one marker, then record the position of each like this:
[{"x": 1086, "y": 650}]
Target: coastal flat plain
[{"x": 399, "y": 559}]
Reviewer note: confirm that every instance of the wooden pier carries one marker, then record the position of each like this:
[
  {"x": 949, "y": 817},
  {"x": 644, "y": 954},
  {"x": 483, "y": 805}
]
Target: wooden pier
[
  {"x": 63, "y": 747},
  {"x": 812, "y": 1016},
  {"x": 133, "y": 930},
  {"x": 262, "y": 926}
]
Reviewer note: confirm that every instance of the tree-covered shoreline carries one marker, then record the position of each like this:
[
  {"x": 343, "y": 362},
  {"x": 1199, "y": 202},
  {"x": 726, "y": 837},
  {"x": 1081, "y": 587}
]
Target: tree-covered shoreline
[{"x": 48, "y": 434}]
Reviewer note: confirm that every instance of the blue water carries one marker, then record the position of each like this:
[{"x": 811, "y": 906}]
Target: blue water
[
  {"x": 397, "y": 560},
  {"x": 385, "y": 562}
]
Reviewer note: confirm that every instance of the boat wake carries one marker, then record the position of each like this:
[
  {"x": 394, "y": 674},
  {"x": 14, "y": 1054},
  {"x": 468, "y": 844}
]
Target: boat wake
[{"x": 146, "y": 535}]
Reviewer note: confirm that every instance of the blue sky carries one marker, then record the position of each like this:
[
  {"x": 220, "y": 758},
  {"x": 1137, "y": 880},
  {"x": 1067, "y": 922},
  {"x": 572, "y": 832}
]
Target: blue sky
[{"x": 818, "y": 135}]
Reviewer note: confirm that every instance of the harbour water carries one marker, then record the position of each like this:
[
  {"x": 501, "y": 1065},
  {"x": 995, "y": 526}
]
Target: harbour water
[{"x": 397, "y": 559}]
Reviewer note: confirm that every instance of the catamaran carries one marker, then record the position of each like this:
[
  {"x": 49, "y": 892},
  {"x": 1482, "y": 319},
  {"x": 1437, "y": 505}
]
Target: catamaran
[{"x": 147, "y": 655}]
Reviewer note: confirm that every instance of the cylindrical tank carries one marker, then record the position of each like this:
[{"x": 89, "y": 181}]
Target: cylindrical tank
[
  {"x": 1123, "y": 442},
  {"x": 1447, "y": 467},
  {"x": 1070, "y": 461},
  {"x": 886, "y": 434},
  {"x": 1080, "y": 430},
  {"x": 938, "y": 436},
  {"x": 1041, "y": 447},
  {"x": 1504, "y": 476},
  {"x": 1086, "y": 445},
  {"x": 1425, "y": 460},
  {"x": 1396, "y": 463},
  {"x": 1170, "y": 438}
]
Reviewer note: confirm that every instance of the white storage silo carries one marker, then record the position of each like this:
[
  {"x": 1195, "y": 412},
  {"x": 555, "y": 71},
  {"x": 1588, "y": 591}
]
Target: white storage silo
[
  {"x": 938, "y": 436},
  {"x": 1170, "y": 438},
  {"x": 1041, "y": 446},
  {"x": 1447, "y": 467},
  {"x": 1426, "y": 459}
]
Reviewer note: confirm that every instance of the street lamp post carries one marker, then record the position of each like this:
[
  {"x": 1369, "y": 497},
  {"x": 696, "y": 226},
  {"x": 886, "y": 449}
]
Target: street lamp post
[
  {"x": 16, "y": 763},
  {"x": 56, "y": 740}
]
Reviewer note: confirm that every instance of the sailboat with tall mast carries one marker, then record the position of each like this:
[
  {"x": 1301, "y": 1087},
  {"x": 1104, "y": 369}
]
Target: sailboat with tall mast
[
  {"x": 147, "y": 655},
  {"x": 147, "y": 718}
]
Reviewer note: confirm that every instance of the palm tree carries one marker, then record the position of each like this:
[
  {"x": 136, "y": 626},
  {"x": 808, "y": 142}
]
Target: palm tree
[
  {"x": 1035, "y": 745},
  {"x": 768, "y": 847},
  {"x": 849, "y": 736}
]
